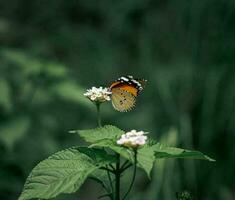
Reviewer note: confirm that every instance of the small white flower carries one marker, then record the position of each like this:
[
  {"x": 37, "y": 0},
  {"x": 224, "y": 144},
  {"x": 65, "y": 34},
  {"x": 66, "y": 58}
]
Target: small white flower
[
  {"x": 98, "y": 94},
  {"x": 133, "y": 139}
]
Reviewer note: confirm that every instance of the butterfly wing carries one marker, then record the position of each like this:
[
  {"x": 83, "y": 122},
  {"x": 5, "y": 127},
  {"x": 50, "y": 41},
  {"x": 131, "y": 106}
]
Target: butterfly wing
[
  {"x": 143, "y": 82},
  {"x": 122, "y": 100},
  {"x": 124, "y": 92},
  {"x": 129, "y": 88}
]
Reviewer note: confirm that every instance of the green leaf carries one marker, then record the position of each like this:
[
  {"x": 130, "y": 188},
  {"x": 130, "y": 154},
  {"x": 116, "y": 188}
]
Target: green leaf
[
  {"x": 162, "y": 151},
  {"x": 124, "y": 152},
  {"x": 107, "y": 136},
  {"x": 100, "y": 176},
  {"x": 99, "y": 156},
  {"x": 98, "y": 134},
  {"x": 149, "y": 153},
  {"x": 145, "y": 156},
  {"x": 146, "y": 159},
  {"x": 63, "y": 172}
]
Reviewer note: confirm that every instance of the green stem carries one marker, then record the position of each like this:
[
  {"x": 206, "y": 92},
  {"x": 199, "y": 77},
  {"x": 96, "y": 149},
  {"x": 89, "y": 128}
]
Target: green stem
[
  {"x": 134, "y": 175},
  {"x": 99, "y": 125},
  {"x": 125, "y": 165},
  {"x": 110, "y": 181},
  {"x": 98, "y": 114},
  {"x": 117, "y": 181}
]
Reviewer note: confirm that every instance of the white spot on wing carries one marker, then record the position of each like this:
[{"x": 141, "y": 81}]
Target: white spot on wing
[
  {"x": 136, "y": 82},
  {"x": 124, "y": 78}
]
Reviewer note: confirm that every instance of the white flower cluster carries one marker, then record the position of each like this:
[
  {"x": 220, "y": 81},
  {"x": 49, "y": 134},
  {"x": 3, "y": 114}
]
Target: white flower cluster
[
  {"x": 133, "y": 139},
  {"x": 98, "y": 94}
]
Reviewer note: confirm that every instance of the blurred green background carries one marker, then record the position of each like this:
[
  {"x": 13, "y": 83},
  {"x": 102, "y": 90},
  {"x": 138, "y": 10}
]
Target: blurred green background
[{"x": 51, "y": 51}]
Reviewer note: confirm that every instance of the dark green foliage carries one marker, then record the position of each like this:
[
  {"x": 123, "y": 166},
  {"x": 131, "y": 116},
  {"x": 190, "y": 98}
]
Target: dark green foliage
[
  {"x": 63, "y": 172},
  {"x": 67, "y": 170},
  {"x": 185, "y": 195},
  {"x": 51, "y": 50},
  {"x": 107, "y": 137}
]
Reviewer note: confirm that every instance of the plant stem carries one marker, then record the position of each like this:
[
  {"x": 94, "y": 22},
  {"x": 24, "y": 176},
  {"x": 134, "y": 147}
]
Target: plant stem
[
  {"x": 98, "y": 114},
  {"x": 99, "y": 125},
  {"x": 110, "y": 181},
  {"x": 117, "y": 181},
  {"x": 134, "y": 175},
  {"x": 125, "y": 165}
]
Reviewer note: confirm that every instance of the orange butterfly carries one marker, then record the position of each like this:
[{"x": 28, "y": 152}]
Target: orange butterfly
[{"x": 124, "y": 92}]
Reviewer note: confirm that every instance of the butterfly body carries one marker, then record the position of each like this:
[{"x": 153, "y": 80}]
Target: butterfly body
[{"x": 124, "y": 92}]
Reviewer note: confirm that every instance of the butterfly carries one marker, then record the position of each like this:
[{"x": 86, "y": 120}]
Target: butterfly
[{"x": 124, "y": 92}]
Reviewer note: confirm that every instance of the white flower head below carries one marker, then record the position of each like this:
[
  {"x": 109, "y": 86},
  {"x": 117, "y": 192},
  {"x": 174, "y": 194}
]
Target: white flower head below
[
  {"x": 133, "y": 139},
  {"x": 98, "y": 94}
]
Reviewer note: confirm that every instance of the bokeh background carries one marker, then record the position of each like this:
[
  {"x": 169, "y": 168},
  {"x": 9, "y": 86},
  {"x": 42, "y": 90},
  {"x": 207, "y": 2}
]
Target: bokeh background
[{"x": 51, "y": 51}]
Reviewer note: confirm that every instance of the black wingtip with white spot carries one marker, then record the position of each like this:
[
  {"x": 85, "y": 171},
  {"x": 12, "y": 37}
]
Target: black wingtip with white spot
[{"x": 131, "y": 81}]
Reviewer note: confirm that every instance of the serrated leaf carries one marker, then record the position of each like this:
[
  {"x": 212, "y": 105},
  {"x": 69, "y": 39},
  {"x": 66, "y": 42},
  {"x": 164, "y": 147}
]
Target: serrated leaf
[
  {"x": 162, "y": 151},
  {"x": 107, "y": 136},
  {"x": 98, "y": 134},
  {"x": 124, "y": 152},
  {"x": 99, "y": 156},
  {"x": 145, "y": 155},
  {"x": 146, "y": 159},
  {"x": 63, "y": 172}
]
